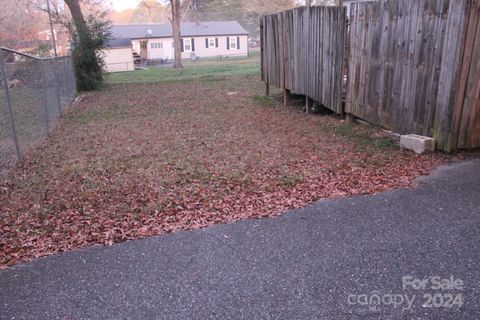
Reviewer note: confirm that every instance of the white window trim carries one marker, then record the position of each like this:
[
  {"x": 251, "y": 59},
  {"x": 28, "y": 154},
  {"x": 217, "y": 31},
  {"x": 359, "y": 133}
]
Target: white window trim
[
  {"x": 233, "y": 43},
  {"x": 211, "y": 42},
  {"x": 187, "y": 42}
]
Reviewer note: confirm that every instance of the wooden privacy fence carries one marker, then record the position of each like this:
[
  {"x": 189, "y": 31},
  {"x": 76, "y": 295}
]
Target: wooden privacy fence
[
  {"x": 412, "y": 69},
  {"x": 466, "y": 117},
  {"x": 303, "y": 51},
  {"x": 414, "y": 66}
]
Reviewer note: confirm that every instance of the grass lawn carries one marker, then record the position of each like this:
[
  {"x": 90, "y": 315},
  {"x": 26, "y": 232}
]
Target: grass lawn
[
  {"x": 204, "y": 70},
  {"x": 147, "y": 156}
]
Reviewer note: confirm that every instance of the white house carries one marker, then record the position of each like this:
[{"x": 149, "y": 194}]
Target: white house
[
  {"x": 204, "y": 39},
  {"x": 118, "y": 55}
]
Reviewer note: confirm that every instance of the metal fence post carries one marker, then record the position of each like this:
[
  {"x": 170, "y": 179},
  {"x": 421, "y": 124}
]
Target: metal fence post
[
  {"x": 44, "y": 94},
  {"x": 65, "y": 79},
  {"x": 57, "y": 93},
  {"x": 73, "y": 77},
  {"x": 9, "y": 105}
]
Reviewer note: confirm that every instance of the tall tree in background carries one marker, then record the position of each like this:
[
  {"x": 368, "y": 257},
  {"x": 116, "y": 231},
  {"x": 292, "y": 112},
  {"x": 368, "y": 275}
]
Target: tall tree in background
[
  {"x": 246, "y": 12},
  {"x": 122, "y": 17},
  {"x": 147, "y": 11},
  {"x": 254, "y": 9},
  {"x": 20, "y": 23},
  {"x": 152, "y": 10},
  {"x": 217, "y": 10}
]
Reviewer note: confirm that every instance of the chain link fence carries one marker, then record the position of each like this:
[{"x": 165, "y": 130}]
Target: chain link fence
[{"x": 33, "y": 93}]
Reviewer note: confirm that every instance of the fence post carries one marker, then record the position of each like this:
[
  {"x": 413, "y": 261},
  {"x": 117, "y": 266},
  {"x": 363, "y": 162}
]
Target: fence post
[
  {"x": 9, "y": 105},
  {"x": 65, "y": 76},
  {"x": 44, "y": 95},
  {"x": 285, "y": 60},
  {"x": 68, "y": 72},
  {"x": 57, "y": 93},
  {"x": 73, "y": 80}
]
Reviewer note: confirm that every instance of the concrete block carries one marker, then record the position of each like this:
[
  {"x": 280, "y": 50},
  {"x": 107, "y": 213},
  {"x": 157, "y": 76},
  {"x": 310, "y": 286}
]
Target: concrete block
[{"x": 416, "y": 143}]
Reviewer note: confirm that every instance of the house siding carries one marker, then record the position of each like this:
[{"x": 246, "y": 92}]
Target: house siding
[
  {"x": 118, "y": 59},
  {"x": 202, "y": 51},
  {"x": 167, "y": 52}
]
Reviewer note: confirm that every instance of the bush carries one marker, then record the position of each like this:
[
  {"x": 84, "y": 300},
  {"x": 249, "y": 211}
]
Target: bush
[
  {"x": 87, "y": 60},
  {"x": 88, "y": 67}
]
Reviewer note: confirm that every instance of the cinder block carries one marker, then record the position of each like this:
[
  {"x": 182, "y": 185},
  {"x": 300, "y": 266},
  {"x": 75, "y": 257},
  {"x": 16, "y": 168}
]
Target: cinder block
[{"x": 416, "y": 143}]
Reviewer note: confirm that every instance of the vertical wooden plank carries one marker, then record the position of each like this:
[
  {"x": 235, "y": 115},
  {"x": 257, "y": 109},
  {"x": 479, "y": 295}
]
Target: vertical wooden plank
[
  {"x": 465, "y": 101},
  {"x": 262, "y": 44},
  {"x": 450, "y": 73},
  {"x": 413, "y": 87},
  {"x": 352, "y": 54},
  {"x": 440, "y": 13},
  {"x": 471, "y": 122}
]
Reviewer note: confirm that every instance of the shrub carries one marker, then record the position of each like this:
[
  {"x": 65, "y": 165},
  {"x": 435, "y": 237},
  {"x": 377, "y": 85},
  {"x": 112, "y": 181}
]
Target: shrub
[{"x": 87, "y": 60}]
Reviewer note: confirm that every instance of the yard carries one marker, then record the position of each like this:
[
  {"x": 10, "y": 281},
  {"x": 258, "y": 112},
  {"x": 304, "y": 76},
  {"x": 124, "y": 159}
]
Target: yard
[{"x": 158, "y": 151}]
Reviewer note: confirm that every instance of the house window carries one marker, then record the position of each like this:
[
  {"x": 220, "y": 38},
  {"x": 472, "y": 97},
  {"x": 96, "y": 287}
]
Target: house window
[
  {"x": 156, "y": 45},
  {"x": 211, "y": 42},
  {"x": 233, "y": 42},
  {"x": 187, "y": 45}
]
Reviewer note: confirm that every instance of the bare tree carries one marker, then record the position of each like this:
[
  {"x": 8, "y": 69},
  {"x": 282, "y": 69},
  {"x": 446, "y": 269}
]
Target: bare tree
[
  {"x": 50, "y": 21},
  {"x": 152, "y": 10},
  {"x": 78, "y": 19},
  {"x": 148, "y": 6},
  {"x": 252, "y": 10},
  {"x": 21, "y": 21}
]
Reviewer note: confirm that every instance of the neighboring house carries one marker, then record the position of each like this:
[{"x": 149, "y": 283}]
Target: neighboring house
[
  {"x": 118, "y": 56},
  {"x": 204, "y": 39}
]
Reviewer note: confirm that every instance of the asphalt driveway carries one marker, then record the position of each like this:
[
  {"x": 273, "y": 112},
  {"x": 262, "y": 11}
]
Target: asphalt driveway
[{"x": 406, "y": 254}]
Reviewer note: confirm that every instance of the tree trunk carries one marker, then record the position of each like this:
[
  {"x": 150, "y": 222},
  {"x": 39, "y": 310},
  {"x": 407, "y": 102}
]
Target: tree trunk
[
  {"x": 176, "y": 21},
  {"x": 78, "y": 20}
]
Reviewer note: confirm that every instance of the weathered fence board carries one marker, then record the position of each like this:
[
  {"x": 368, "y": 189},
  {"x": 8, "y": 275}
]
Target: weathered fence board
[
  {"x": 413, "y": 66},
  {"x": 302, "y": 51},
  {"x": 405, "y": 68},
  {"x": 467, "y": 108}
]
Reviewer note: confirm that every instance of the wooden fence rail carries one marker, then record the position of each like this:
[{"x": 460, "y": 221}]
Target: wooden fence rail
[
  {"x": 303, "y": 51},
  {"x": 414, "y": 66}
]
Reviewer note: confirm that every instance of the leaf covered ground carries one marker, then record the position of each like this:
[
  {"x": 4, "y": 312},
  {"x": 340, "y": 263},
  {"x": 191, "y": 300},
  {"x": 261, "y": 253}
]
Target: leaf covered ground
[{"x": 142, "y": 159}]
